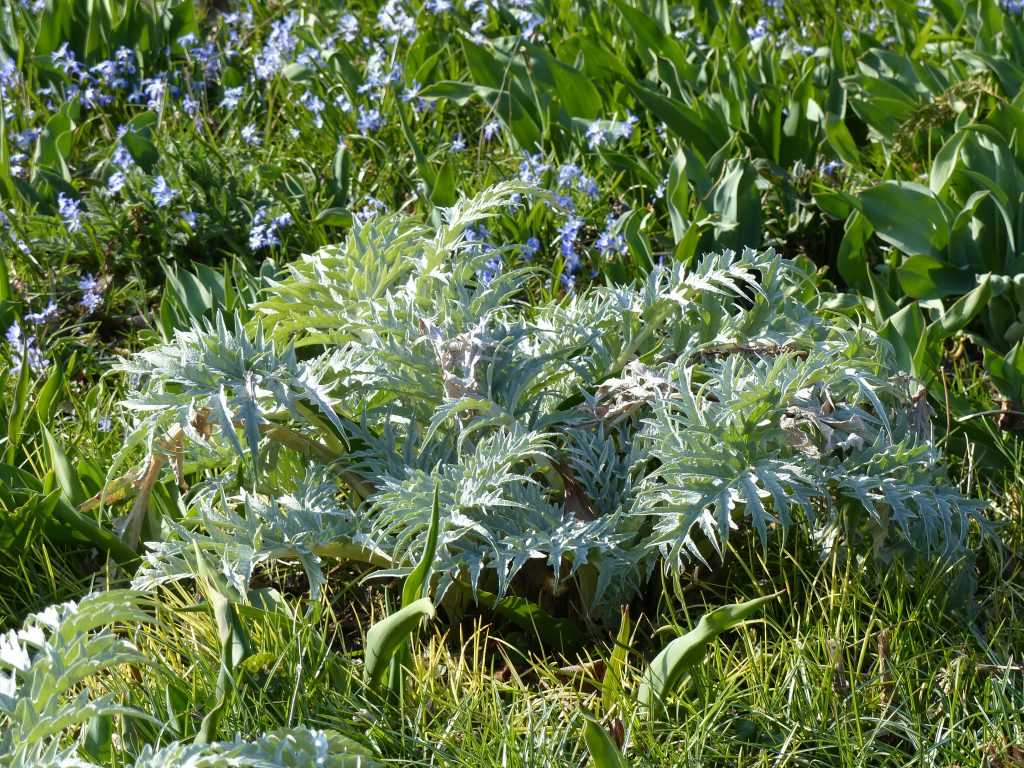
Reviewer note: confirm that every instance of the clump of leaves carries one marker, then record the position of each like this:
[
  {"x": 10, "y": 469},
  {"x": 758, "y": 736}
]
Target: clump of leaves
[
  {"x": 604, "y": 435},
  {"x": 47, "y": 671}
]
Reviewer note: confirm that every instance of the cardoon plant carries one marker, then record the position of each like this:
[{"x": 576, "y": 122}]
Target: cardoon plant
[{"x": 598, "y": 438}]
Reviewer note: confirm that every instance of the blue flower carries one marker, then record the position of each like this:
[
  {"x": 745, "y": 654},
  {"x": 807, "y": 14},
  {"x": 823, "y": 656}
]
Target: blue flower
[
  {"x": 369, "y": 120},
  {"x": 116, "y": 182},
  {"x": 610, "y": 243},
  {"x": 161, "y": 192},
  {"x": 263, "y": 233},
  {"x": 759, "y": 30},
  {"x": 43, "y": 315},
  {"x": 71, "y": 211},
  {"x": 122, "y": 158},
  {"x": 314, "y": 104},
  {"x": 278, "y": 49},
  {"x": 251, "y": 136},
  {"x": 532, "y": 168},
  {"x": 491, "y": 129},
  {"x": 529, "y": 248},
  {"x": 348, "y": 27},
  {"x": 831, "y": 167},
  {"x": 458, "y": 143},
  {"x": 567, "y": 234},
  {"x": 25, "y": 348},
  {"x": 567, "y": 175},
  {"x": 231, "y": 97}
]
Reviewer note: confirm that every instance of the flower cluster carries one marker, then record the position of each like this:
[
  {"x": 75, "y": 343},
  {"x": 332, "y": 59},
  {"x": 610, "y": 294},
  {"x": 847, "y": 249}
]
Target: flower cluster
[{"x": 263, "y": 233}]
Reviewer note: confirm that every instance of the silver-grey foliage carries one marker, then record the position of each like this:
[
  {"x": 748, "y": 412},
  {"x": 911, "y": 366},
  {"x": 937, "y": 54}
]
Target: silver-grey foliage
[{"x": 614, "y": 431}]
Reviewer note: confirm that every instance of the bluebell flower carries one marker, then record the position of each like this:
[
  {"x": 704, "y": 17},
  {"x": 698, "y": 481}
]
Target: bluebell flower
[
  {"x": 43, "y": 315},
  {"x": 490, "y": 271},
  {"x": 369, "y": 120},
  {"x": 65, "y": 60},
  {"x": 623, "y": 129},
  {"x": 231, "y": 97},
  {"x": 348, "y": 27},
  {"x": 491, "y": 129},
  {"x": 190, "y": 218},
  {"x": 567, "y": 175},
  {"x": 104, "y": 423},
  {"x": 529, "y": 248},
  {"x": 190, "y": 105},
  {"x": 393, "y": 19},
  {"x": 24, "y": 347},
  {"x": 263, "y": 233},
  {"x": 532, "y": 168},
  {"x": 278, "y": 49},
  {"x": 315, "y": 105},
  {"x": 92, "y": 293},
  {"x": 371, "y": 208},
  {"x": 588, "y": 186},
  {"x": 161, "y": 192},
  {"x": 831, "y": 167},
  {"x": 567, "y": 235},
  {"x": 458, "y": 143},
  {"x": 90, "y": 302},
  {"x": 759, "y": 30},
  {"x": 154, "y": 88},
  {"x": 71, "y": 211},
  {"x": 24, "y": 138},
  {"x": 609, "y": 243},
  {"x": 122, "y": 158},
  {"x": 116, "y": 182},
  {"x": 251, "y": 136}
]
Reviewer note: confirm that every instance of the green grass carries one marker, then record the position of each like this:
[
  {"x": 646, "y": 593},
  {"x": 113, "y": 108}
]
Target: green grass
[{"x": 860, "y": 661}]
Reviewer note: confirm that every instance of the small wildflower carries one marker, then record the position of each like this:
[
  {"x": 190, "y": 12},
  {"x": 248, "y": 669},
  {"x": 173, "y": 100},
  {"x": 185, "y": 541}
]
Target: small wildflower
[
  {"x": 116, "y": 182},
  {"x": 369, "y": 120},
  {"x": 609, "y": 243},
  {"x": 491, "y": 130},
  {"x": 162, "y": 192},
  {"x": 231, "y": 97},
  {"x": 251, "y": 136},
  {"x": 71, "y": 211},
  {"x": 42, "y": 316},
  {"x": 529, "y": 248}
]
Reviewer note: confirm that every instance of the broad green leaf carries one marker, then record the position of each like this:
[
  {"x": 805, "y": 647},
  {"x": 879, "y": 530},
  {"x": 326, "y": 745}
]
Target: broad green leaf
[
  {"x": 67, "y": 478},
  {"x": 604, "y": 753},
  {"x": 945, "y": 162},
  {"x": 908, "y": 216},
  {"x": 924, "y": 277},
  {"x": 417, "y": 583},
  {"x": 679, "y": 657},
  {"x": 387, "y": 636},
  {"x": 611, "y": 686},
  {"x": 677, "y": 196}
]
